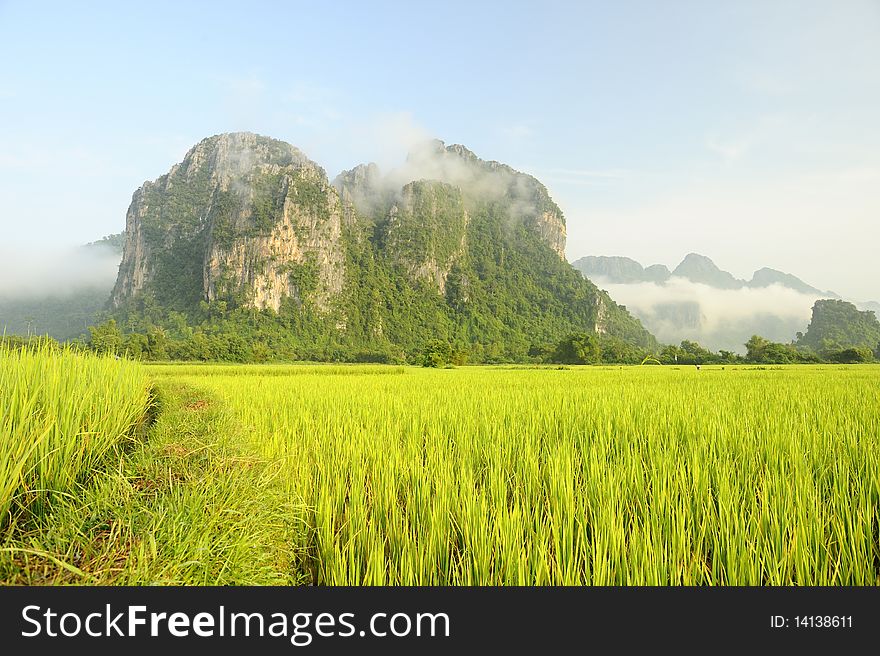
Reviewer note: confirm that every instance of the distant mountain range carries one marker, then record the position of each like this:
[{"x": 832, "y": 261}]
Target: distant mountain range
[
  {"x": 699, "y": 301},
  {"x": 873, "y": 306},
  {"x": 694, "y": 267}
]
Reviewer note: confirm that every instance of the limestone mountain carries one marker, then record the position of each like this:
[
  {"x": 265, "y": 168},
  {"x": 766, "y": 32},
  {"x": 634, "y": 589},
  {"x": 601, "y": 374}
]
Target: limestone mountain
[
  {"x": 699, "y": 268},
  {"x": 234, "y": 221},
  {"x": 656, "y": 273},
  {"x": 836, "y": 324},
  {"x": 449, "y": 246},
  {"x": 614, "y": 269},
  {"x": 766, "y": 277}
]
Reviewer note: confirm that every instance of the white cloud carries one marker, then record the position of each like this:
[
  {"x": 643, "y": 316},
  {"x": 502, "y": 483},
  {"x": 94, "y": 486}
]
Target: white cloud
[
  {"x": 384, "y": 138},
  {"x": 728, "y": 149},
  {"x": 722, "y": 318}
]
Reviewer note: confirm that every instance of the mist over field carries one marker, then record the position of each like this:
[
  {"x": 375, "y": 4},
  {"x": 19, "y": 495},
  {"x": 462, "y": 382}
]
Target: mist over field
[{"x": 716, "y": 318}]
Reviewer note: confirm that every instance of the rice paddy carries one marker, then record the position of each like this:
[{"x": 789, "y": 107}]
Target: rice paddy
[
  {"x": 372, "y": 475},
  {"x": 631, "y": 476}
]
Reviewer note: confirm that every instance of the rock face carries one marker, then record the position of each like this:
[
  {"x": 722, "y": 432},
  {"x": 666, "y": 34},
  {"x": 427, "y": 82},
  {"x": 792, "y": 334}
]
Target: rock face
[
  {"x": 287, "y": 228},
  {"x": 242, "y": 218},
  {"x": 619, "y": 270},
  {"x": 363, "y": 188},
  {"x": 614, "y": 269},
  {"x": 426, "y": 230},
  {"x": 525, "y": 200}
]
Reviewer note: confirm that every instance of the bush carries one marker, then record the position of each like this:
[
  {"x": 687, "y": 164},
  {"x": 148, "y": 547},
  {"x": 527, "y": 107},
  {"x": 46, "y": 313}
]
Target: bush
[
  {"x": 578, "y": 348},
  {"x": 851, "y": 355},
  {"x": 437, "y": 353}
]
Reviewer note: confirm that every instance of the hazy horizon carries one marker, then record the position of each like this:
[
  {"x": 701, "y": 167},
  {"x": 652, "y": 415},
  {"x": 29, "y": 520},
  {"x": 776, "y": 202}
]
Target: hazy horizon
[{"x": 746, "y": 133}]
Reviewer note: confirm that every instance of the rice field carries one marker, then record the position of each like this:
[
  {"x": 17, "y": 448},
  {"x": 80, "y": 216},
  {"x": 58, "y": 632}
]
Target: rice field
[
  {"x": 61, "y": 414},
  {"x": 381, "y": 475},
  {"x": 605, "y": 476}
]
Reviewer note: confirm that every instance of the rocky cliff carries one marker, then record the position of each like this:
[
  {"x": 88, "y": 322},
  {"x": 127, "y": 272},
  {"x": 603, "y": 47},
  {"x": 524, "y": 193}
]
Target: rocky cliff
[
  {"x": 426, "y": 230},
  {"x": 235, "y": 221}
]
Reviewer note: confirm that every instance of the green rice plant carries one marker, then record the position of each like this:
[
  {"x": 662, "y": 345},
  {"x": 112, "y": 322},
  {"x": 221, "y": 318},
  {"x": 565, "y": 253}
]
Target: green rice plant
[{"x": 61, "y": 413}]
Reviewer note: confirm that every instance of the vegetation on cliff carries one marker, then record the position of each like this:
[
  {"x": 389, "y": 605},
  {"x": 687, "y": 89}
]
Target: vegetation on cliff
[{"x": 838, "y": 325}]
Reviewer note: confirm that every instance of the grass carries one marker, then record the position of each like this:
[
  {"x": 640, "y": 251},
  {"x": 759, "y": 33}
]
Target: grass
[{"x": 392, "y": 475}]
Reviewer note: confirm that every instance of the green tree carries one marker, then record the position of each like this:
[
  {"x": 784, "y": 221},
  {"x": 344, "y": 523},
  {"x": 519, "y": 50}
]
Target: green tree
[
  {"x": 837, "y": 325},
  {"x": 106, "y": 337},
  {"x": 728, "y": 356},
  {"x": 437, "y": 353},
  {"x": 578, "y": 348},
  {"x": 756, "y": 348},
  {"x": 135, "y": 346},
  {"x": 851, "y": 355}
]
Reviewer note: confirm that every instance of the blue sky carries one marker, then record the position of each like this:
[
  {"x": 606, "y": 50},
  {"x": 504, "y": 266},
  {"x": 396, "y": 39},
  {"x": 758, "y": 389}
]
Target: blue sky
[{"x": 744, "y": 131}]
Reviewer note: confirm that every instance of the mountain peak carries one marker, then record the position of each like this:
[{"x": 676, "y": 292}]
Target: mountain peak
[
  {"x": 461, "y": 151},
  {"x": 482, "y": 183},
  {"x": 697, "y": 260},
  {"x": 766, "y": 276},
  {"x": 614, "y": 269},
  {"x": 699, "y": 268},
  {"x": 238, "y": 141},
  {"x": 657, "y": 273},
  {"x": 236, "y": 154}
]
